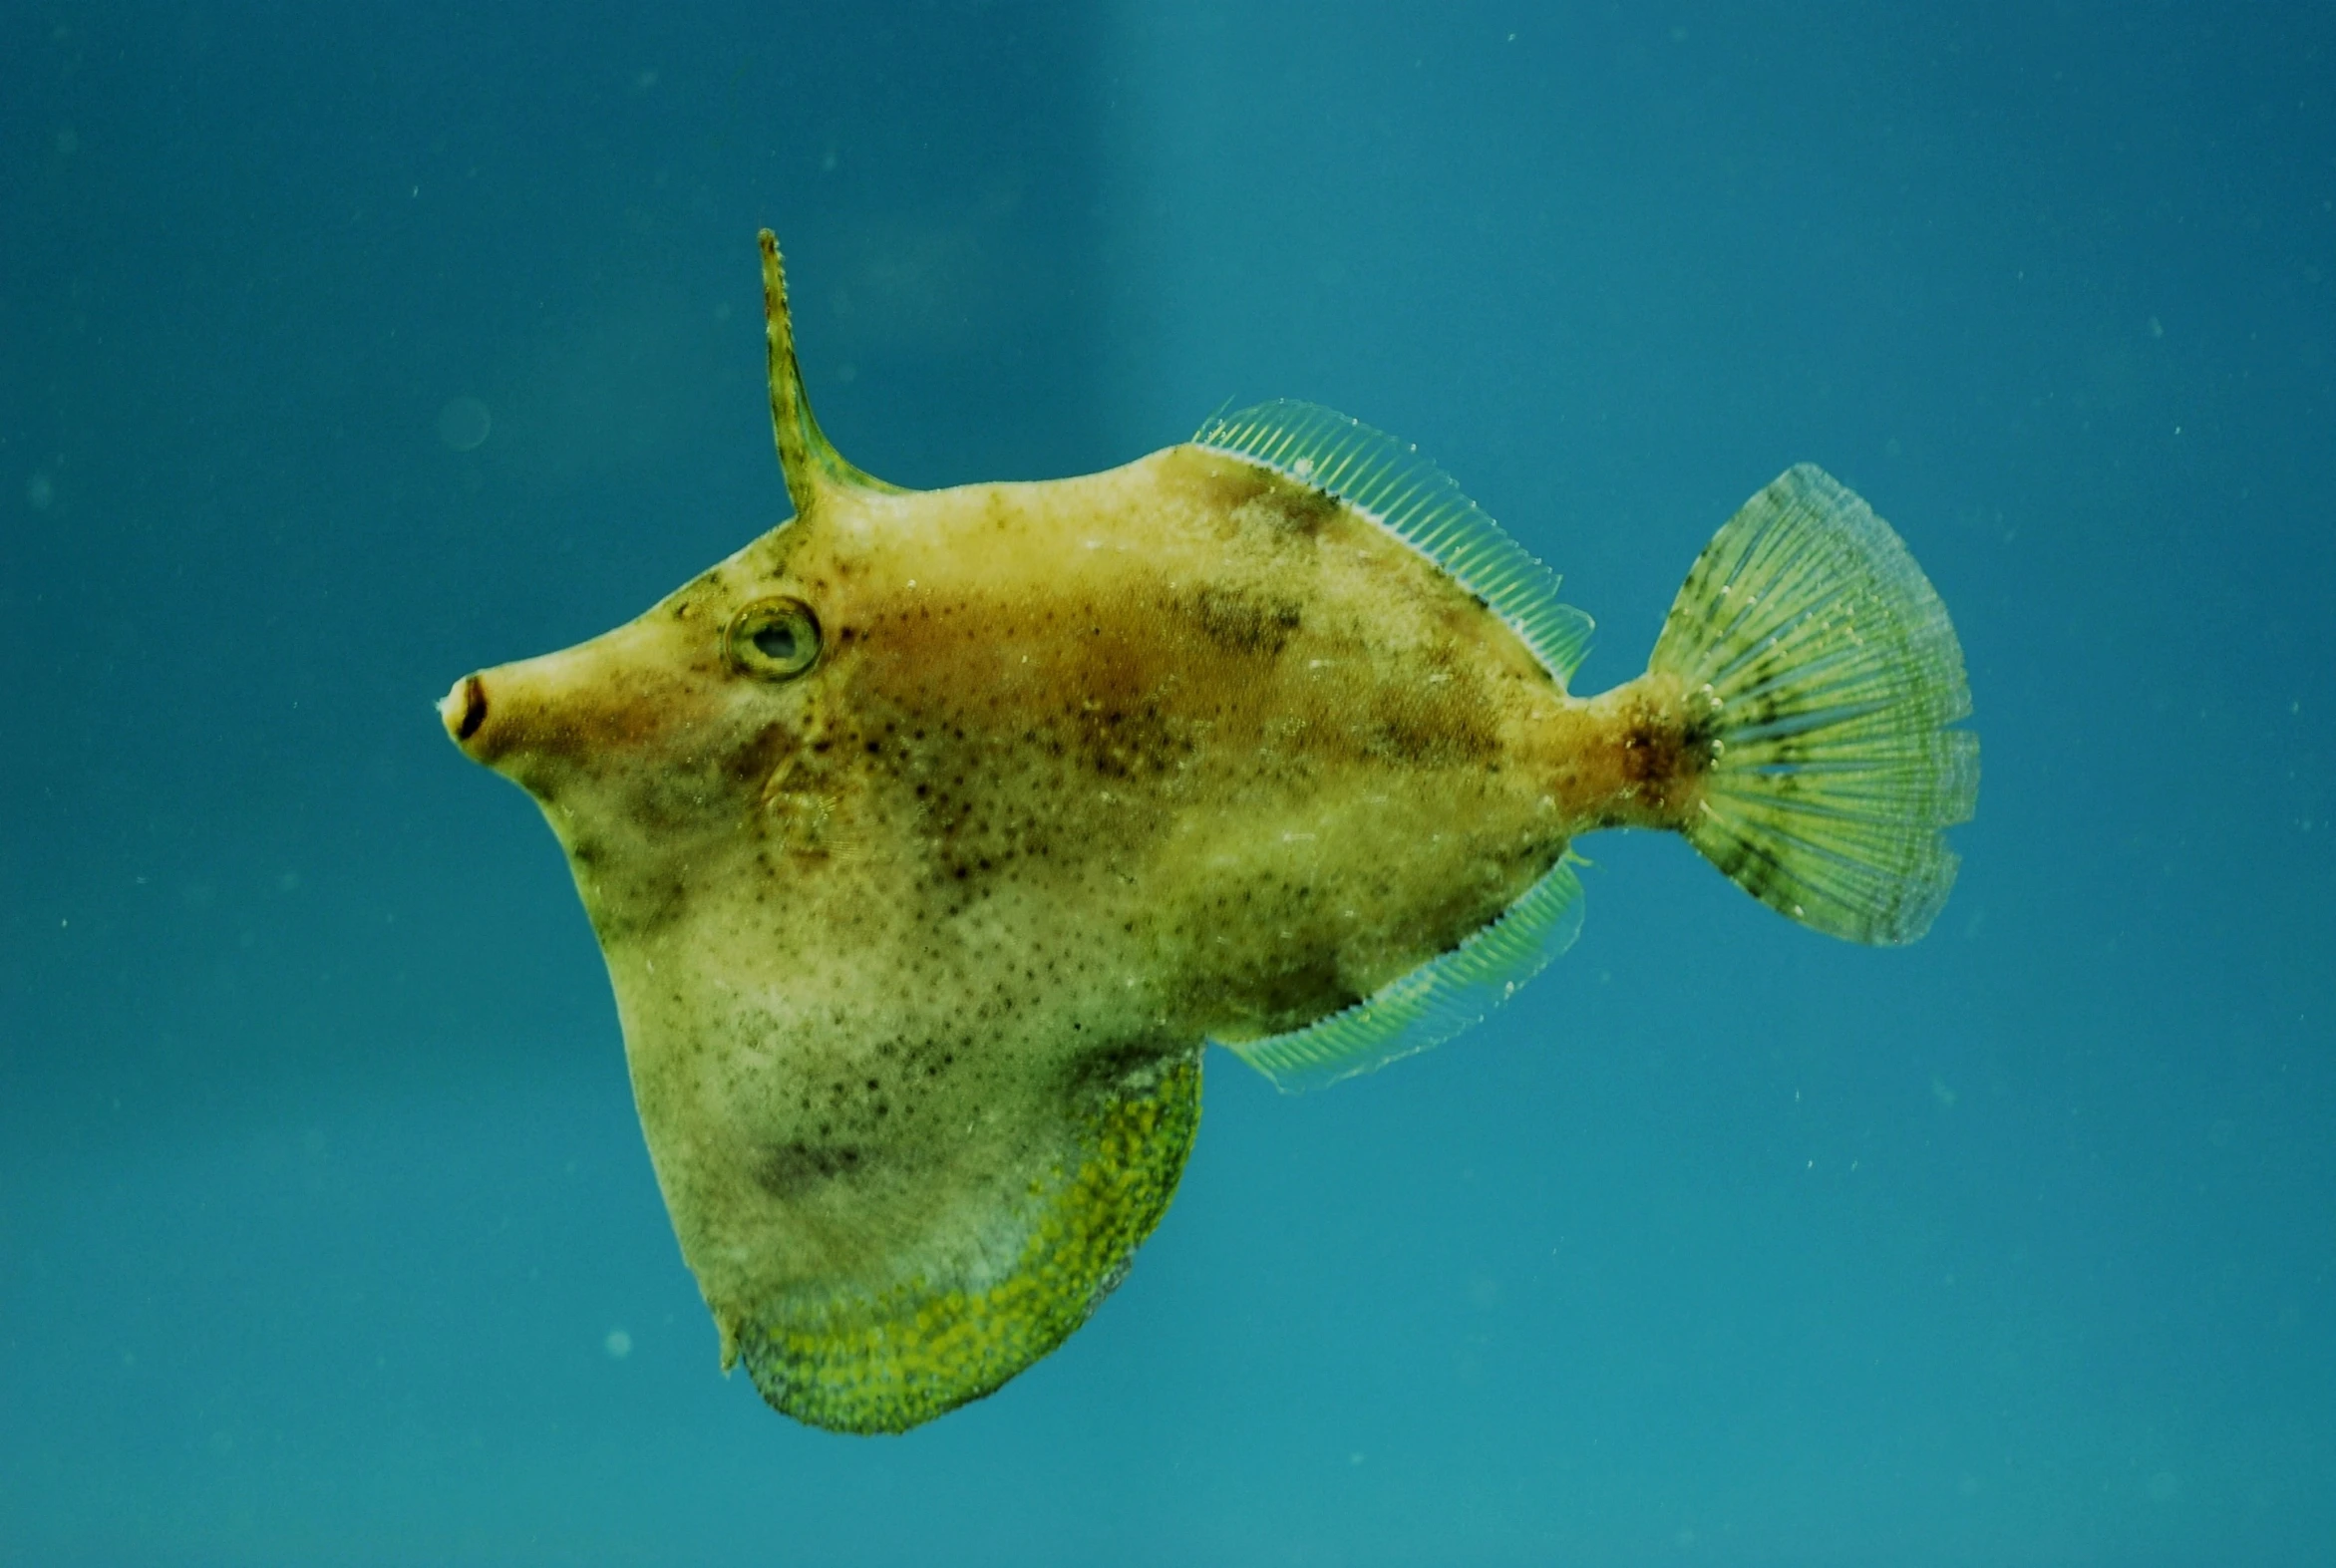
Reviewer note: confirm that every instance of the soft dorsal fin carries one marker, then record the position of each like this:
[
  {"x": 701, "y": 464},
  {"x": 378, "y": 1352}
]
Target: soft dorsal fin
[
  {"x": 1434, "y": 1001},
  {"x": 809, "y": 461},
  {"x": 1390, "y": 483}
]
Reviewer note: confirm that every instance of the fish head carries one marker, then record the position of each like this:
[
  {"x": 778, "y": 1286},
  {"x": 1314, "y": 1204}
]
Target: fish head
[
  {"x": 749, "y": 728},
  {"x": 644, "y": 743}
]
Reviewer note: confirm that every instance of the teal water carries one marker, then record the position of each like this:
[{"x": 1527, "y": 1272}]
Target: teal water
[{"x": 348, "y": 348}]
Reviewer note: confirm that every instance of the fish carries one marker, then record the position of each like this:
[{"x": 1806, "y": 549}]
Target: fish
[{"x": 932, "y": 838}]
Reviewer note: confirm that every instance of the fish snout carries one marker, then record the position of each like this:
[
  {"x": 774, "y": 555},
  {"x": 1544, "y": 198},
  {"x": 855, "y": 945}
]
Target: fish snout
[
  {"x": 592, "y": 718},
  {"x": 462, "y": 710},
  {"x": 513, "y": 718},
  {"x": 492, "y": 716}
]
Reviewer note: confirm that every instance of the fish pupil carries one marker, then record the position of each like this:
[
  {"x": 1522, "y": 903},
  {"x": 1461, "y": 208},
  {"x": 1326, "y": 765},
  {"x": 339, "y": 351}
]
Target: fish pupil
[{"x": 777, "y": 641}]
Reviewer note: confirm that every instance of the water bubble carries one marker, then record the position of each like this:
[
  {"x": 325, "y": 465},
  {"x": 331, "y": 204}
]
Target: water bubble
[
  {"x": 619, "y": 1345},
  {"x": 463, "y": 423}
]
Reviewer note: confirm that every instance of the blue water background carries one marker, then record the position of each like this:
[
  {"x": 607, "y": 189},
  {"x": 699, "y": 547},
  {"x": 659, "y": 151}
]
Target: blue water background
[{"x": 324, "y": 1212}]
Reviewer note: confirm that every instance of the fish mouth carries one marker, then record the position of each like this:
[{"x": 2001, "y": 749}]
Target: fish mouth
[{"x": 463, "y": 708}]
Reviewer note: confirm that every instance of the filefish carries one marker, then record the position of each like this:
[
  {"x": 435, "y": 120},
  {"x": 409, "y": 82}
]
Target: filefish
[{"x": 932, "y": 838}]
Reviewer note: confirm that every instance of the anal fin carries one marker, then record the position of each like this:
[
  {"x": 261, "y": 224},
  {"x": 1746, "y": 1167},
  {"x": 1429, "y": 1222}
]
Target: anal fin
[{"x": 1434, "y": 1001}]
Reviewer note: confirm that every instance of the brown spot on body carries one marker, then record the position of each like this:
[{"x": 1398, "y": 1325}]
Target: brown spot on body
[
  {"x": 786, "y": 1170},
  {"x": 757, "y": 760},
  {"x": 1306, "y": 987},
  {"x": 1298, "y": 509},
  {"x": 1102, "y": 1072},
  {"x": 1245, "y": 623},
  {"x": 1424, "y": 736}
]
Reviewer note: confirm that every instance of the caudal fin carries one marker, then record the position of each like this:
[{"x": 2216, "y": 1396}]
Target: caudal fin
[{"x": 1831, "y": 674}]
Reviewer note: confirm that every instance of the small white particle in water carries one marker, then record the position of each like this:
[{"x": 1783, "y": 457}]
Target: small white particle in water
[
  {"x": 39, "y": 491},
  {"x": 619, "y": 1345}
]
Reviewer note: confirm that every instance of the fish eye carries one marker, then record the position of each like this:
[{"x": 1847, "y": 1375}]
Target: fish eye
[{"x": 778, "y": 638}]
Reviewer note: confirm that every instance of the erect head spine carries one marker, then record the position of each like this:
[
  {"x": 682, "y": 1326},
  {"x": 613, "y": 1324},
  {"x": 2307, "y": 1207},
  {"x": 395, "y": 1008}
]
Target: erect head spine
[{"x": 812, "y": 466}]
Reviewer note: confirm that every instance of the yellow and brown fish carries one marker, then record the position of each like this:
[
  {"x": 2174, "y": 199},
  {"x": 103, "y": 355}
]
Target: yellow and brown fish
[{"x": 931, "y": 838}]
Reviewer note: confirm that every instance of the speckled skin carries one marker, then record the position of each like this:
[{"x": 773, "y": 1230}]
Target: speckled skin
[{"x": 1087, "y": 772}]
